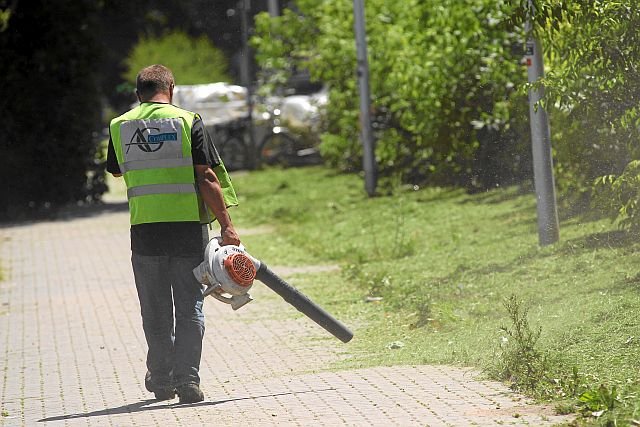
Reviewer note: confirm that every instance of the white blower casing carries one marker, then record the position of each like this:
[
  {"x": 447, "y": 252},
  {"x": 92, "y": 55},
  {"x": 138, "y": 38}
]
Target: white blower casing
[{"x": 227, "y": 272}]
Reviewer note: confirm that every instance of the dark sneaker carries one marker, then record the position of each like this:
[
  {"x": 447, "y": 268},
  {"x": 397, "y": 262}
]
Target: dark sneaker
[
  {"x": 165, "y": 394},
  {"x": 162, "y": 392},
  {"x": 190, "y": 393}
]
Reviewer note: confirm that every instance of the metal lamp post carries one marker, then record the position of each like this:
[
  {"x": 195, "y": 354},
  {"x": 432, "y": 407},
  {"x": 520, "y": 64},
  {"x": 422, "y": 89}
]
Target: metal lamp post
[
  {"x": 548, "y": 228},
  {"x": 246, "y": 73},
  {"x": 273, "y": 7},
  {"x": 369, "y": 160}
]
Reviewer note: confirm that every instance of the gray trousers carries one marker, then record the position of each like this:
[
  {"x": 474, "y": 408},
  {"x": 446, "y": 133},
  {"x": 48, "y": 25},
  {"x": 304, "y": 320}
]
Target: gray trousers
[{"x": 172, "y": 318}]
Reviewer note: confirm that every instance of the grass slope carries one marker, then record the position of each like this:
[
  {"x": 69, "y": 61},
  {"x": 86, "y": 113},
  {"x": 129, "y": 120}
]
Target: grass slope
[{"x": 425, "y": 274}]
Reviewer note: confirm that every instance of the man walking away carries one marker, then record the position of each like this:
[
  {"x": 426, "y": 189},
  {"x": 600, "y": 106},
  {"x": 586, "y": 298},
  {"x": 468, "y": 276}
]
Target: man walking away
[{"x": 176, "y": 184}]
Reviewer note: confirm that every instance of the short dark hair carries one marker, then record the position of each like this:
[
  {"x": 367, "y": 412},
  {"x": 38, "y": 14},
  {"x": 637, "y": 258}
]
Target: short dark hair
[{"x": 154, "y": 79}]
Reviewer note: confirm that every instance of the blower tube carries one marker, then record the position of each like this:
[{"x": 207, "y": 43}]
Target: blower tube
[{"x": 303, "y": 304}]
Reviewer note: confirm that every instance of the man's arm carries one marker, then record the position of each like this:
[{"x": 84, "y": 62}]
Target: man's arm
[{"x": 211, "y": 192}]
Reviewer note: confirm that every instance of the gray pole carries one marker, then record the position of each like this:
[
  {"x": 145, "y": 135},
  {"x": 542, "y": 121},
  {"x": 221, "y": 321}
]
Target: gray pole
[
  {"x": 245, "y": 76},
  {"x": 548, "y": 228},
  {"x": 274, "y": 9},
  {"x": 245, "y": 63},
  {"x": 369, "y": 160}
]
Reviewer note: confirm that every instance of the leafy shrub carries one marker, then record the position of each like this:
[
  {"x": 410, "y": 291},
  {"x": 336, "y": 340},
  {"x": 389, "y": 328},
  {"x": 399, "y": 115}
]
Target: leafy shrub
[
  {"x": 600, "y": 399},
  {"x": 619, "y": 196},
  {"x": 449, "y": 92},
  {"x": 592, "y": 88},
  {"x": 192, "y": 60},
  {"x": 443, "y": 80}
]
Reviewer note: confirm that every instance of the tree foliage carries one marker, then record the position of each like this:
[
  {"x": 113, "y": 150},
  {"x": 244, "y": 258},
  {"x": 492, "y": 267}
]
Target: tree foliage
[
  {"x": 447, "y": 84},
  {"x": 193, "y": 60},
  {"x": 443, "y": 79},
  {"x": 50, "y": 104},
  {"x": 592, "y": 90},
  {"x": 62, "y": 65},
  {"x": 619, "y": 195}
]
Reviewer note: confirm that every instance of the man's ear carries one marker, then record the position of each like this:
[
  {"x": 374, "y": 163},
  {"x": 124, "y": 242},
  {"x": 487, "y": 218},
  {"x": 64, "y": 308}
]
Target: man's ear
[
  {"x": 138, "y": 96},
  {"x": 171, "y": 86}
]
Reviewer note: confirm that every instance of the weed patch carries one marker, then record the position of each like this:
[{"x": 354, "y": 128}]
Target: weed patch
[
  {"x": 521, "y": 362},
  {"x": 600, "y": 400}
]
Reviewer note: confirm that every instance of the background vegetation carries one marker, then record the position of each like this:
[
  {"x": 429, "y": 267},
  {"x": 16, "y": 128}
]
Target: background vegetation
[
  {"x": 449, "y": 87},
  {"x": 192, "y": 60},
  {"x": 50, "y": 104},
  {"x": 443, "y": 75},
  {"x": 63, "y": 67}
]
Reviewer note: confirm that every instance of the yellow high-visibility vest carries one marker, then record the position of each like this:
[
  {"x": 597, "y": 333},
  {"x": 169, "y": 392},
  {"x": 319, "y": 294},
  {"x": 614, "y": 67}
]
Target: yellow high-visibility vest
[{"x": 153, "y": 148}]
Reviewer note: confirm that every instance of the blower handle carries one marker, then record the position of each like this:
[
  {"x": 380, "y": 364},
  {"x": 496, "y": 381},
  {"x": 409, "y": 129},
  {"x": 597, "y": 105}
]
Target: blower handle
[{"x": 303, "y": 304}]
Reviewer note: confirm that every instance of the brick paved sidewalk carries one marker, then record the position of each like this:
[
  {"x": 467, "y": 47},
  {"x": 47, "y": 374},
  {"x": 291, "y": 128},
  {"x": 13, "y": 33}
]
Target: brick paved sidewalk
[{"x": 72, "y": 352}]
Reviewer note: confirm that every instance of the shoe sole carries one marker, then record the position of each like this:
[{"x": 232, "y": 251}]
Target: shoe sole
[
  {"x": 165, "y": 394},
  {"x": 190, "y": 396},
  {"x": 187, "y": 401}
]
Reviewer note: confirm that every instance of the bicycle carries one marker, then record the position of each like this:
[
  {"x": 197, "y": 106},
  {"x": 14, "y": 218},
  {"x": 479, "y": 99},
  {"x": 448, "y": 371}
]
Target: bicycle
[
  {"x": 280, "y": 146},
  {"x": 283, "y": 147},
  {"x": 230, "y": 139}
]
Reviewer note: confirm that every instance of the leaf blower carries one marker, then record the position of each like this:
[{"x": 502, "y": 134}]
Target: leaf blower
[{"x": 228, "y": 273}]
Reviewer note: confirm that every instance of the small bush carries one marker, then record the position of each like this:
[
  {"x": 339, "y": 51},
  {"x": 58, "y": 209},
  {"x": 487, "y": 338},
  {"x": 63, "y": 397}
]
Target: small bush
[
  {"x": 526, "y": 366},
  {"x": 192, "y": 60},
  {"x": 521, "y": 362}
]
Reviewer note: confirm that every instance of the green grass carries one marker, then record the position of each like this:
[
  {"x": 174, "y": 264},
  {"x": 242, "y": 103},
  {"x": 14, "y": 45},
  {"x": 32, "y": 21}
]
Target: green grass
[{"x": 444, "y": 263}]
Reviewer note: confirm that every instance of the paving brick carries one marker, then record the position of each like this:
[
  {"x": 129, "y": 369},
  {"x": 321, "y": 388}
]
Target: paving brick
[{"x": 72, "y": 351}]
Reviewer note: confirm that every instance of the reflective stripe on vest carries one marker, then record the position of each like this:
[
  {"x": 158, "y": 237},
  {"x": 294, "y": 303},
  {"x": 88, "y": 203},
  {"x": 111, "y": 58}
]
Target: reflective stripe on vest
[
  {"x": 147, "y": 190},
  {"x": 136, "y": 165}
]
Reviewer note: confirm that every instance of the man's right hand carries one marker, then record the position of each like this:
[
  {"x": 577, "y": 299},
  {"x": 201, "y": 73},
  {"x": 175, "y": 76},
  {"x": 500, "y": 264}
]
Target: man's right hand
[{"x": 229, "y": 236}]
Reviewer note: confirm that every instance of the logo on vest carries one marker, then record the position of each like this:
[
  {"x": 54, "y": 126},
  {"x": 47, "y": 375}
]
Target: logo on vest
[{"x": 148, "y": 142}]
